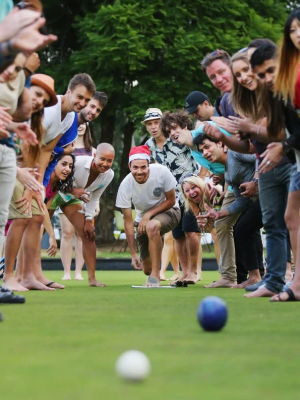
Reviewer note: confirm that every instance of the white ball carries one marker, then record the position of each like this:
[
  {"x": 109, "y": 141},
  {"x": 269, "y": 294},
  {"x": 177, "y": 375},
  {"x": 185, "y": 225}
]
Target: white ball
[{"x": 133, "y": 365}]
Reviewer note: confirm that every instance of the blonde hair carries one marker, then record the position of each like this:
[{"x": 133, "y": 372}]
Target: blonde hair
[{"x": 200, "y": 183}]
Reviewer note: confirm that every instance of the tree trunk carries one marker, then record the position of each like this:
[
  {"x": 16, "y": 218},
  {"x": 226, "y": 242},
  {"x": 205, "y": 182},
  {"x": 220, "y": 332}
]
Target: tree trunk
[{"x": 128, "y": 132}]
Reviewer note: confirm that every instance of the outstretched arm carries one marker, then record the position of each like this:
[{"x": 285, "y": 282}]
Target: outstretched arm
[{"x": 130, "y": 236}]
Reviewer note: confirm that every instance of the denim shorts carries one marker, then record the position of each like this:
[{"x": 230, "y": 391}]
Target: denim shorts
[{"x": 295, "y": 179}]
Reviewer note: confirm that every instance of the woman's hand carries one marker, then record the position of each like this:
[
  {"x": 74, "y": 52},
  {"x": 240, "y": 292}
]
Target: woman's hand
[
  {"x": 52, "y": 250},
  {"x": 271, "y": 157},
  {"x": 27, "y": 177}
]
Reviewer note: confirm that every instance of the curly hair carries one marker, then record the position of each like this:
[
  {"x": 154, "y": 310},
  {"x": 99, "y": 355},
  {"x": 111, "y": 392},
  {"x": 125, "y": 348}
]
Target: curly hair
[
  {"x": 171, "y": 120},
  {"x": 66, "y": 186}
]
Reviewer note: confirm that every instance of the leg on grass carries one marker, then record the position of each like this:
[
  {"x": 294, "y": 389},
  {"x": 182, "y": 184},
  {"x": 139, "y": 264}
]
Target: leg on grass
[
  {"x": 30, "y": 245},
  {"x": 169, "y": 255},
  {"x": 79, "y": 261},
  {"x": 155, "y": 246},
  {"x": 182, "y": 252},
  {"x": 193, "y": 248},
  {"x": 66, "y": 245},
  {"x": 13, "y": 243},
  {"x": 88, "y": 246}
]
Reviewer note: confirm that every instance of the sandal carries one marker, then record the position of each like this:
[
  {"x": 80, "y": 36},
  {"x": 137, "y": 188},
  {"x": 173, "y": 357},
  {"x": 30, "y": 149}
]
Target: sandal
[{"x": 291, "y": 296}]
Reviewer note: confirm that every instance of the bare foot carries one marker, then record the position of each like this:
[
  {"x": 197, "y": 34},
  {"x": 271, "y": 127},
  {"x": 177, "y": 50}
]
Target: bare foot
[
  {"x": 79, "y": 278},
  {"x": 50, "y": 284},
  {"x": 33, "y": 284},
  {"x": 248, "y": 282},
  {"x": 288, "y": 276},
  {"x": 13, "y": 285},
  {"x": 221, "y": 283},
  {"x": 174, "y": 277},
  {"x": 66, "y": 278},
  {"x": 152, "y": 282},
  {"x": 262, "y": 291},
  {"x": 95, "y": 283},
  {"x": 191, "y": 278}
]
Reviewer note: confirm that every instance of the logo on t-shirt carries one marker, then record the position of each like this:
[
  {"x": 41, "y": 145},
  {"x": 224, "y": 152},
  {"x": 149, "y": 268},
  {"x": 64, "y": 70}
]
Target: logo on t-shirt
[{"x": 157, "y": 191}]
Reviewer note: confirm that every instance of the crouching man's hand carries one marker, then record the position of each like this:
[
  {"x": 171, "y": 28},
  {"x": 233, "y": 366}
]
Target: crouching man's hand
[{"x": 136, "y": 262}]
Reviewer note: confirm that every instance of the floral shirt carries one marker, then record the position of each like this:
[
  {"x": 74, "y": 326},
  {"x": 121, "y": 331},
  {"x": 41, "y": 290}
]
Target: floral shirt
[{"x": 177, "y": 158}]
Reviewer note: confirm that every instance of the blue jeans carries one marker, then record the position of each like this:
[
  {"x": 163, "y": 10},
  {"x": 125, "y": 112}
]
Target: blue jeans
[{"x": 273, "y": 193}]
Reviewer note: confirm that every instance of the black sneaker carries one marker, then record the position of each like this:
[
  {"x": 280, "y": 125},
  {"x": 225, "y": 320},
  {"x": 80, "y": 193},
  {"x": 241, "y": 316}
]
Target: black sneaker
[{"x": 8, "y": 297}]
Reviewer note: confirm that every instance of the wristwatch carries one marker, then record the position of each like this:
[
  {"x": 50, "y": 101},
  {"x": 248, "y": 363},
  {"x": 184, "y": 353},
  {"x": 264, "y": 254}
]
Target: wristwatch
[
  {"x": 286, "y": 148},
  {"x": 255, "y": 180}
]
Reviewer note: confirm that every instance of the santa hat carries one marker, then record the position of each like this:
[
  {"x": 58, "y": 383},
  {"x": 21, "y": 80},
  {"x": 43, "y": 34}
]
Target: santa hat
[{"x": 139, "y": 153}]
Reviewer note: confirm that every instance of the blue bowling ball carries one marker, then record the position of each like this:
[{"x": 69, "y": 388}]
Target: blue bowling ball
[{"x": 212, "y": 313}]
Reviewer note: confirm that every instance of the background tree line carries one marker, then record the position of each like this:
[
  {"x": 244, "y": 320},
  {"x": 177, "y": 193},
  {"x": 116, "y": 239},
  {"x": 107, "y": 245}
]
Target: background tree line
[{"x": 147, "y": 54}]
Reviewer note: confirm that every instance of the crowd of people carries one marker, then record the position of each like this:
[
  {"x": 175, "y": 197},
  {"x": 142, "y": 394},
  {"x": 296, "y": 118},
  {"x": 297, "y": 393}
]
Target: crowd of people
[{"x": 229, "y": 169}]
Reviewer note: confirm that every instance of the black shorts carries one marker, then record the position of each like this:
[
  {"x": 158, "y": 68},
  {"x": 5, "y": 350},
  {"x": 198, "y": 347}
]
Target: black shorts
[{"x": 188, "y": 223}]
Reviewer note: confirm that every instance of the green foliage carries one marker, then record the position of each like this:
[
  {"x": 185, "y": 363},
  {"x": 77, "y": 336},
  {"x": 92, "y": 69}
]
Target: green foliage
[{"x": 160, "y": 46}]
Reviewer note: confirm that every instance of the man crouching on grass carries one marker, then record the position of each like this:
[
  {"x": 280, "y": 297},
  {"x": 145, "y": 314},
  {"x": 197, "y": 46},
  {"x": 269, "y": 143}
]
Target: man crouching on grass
[{"x": 151, "y": 189}]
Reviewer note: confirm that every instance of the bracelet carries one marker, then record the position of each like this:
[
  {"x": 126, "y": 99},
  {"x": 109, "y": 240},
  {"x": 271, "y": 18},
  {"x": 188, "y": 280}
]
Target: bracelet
[
  {"x": 28, "y": 71},
  {"x": 7, "y": 50},
  {"x": 258, "y": 130}
]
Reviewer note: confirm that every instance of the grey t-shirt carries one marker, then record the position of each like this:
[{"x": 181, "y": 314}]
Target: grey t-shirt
[{"x": 240, "y": 168}]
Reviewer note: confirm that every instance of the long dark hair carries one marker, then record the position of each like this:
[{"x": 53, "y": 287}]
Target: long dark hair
[
  {"x": 37, "y": 127},
  {"x": 87, "y": 138},
  {"x": 289, "y": 59},
  {"x": 66, "y": 186}
]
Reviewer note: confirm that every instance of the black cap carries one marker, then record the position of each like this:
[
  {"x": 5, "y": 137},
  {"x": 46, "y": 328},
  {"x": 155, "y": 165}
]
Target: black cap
[{"x": 193, "y": 100}]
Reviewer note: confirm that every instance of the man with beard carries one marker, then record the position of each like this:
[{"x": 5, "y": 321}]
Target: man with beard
[{"x": 151, "y": 189}]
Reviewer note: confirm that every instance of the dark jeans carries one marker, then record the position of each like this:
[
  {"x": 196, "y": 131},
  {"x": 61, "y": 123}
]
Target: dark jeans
[
  {"x": 273, "y": 193},
  {"x": 248, "y": 243}
]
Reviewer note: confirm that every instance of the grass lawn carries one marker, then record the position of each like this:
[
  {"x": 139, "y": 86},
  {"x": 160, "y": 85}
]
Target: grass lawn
[{"x": 63, "y": 345}]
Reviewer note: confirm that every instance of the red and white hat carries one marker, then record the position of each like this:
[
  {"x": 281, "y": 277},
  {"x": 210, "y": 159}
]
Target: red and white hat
[{"x": 139, "y": 153}]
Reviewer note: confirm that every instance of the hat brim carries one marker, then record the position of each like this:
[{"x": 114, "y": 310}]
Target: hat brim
[
  {"x": 53, "y": 98},
  {"x": 191, "y": 109},
  {"x": 149, "y": 119}
]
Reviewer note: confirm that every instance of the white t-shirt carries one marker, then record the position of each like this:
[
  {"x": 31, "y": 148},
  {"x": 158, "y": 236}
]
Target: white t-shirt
[
  {"x": 52, "y": 122},
  {"x": 146, "y": 195},
  {"x": 81, "y": 176}
]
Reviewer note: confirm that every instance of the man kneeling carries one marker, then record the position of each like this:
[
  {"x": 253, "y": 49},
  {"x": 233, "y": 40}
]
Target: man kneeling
[{"x": 151, "y": 189}]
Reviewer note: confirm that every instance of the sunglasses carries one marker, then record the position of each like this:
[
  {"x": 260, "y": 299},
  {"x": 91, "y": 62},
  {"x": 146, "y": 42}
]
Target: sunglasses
[
  {"x": 214, "y": 56},
  {"x": 152, "y": 115}
]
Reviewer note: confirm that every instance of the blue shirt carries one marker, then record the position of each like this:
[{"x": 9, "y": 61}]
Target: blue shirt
[{"x": 215, "y": 168}]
